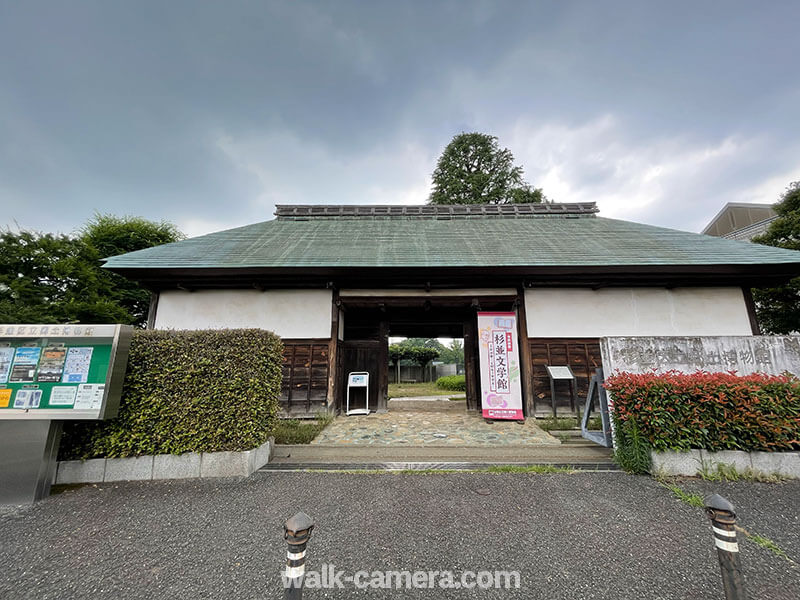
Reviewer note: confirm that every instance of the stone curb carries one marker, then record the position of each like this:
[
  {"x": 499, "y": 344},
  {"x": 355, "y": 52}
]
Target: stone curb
[
  {"x": 692, "y": 462},
  {"x": 165, "y": 466}
]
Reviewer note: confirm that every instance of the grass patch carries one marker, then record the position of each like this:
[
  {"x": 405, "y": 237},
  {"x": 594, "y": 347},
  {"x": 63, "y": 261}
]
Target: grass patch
[
  {"x": 557, "y": 423},
  {"x": 723, "y": 472},
  {"x": 767, "y": 544},
  {"x": 541, "y": 469},
  {"x": 297, "y": 431},
  {"x": 688, "y": 497},
  {"x": 566, "y": 423},
  {"x": 409, "y": 390},
  {"x": 458, "y": 399},
  {"x": 424, "y": 471}
]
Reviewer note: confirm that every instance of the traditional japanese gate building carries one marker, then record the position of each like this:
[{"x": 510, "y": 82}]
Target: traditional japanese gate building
[{"x": 336, "y": 281}]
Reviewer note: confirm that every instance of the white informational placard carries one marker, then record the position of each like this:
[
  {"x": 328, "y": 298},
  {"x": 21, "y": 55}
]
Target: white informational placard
[
  {"x": 359, "y": 380},
  {"x": 89, "y": 396},
  {"x": 501, "y": 389},
  {"x": 63, "y": 396},
  {"x": 560, "y": 373}
]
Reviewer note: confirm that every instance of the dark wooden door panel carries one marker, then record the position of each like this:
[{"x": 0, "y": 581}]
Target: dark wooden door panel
[
  {"x": 582, "y": 355},
  {"x": 366, "y": 356},
  {"x": 304, "y": 389}
]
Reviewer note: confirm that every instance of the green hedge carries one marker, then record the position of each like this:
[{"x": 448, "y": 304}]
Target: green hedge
[
  {"x": 711, "y": 411},
  {"x": 455, "y": 383},
  {"x": 188, "y": 391}
]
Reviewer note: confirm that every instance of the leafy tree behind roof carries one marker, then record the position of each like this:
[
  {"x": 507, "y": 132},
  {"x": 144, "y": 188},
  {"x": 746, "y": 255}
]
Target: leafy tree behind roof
[
  {"x": 473, "y": 169},
  {"x": 49, "y": 278},
  {"x": 110, "y": 236},
  {"x": 778, "y": 308}
]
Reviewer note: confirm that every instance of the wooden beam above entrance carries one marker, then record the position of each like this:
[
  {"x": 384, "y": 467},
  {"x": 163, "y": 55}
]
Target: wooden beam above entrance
[{"x": 422, "y": 293}]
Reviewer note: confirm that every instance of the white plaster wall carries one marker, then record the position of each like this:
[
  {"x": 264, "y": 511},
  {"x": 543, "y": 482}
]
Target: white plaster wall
[
  {"x": 289, "y": 313},
  {"x": 583, "y": 312}
]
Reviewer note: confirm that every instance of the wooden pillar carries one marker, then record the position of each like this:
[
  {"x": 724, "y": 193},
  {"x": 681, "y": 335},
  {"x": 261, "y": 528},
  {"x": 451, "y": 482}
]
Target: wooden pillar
[
  {"x": 526, "y": 363},
  {"x": 152, "y": 310},
  {"x": 470, "y": 367},
  {"x": 333, "y": 357},
  {"x": 383, "y": 367},
  {"x": 751, "y": 310}
]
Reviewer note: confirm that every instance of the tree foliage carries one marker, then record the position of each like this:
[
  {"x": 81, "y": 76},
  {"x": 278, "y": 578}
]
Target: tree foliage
[
  {"x": 778, "y": 308},
  {"x": 406, "y": 350},
  {"x": 454, "y": 353},
  {"x": 110, "y": 236},
  {"x": 417, "y": 354},
  {"x": 47, "y": 278},
  {"x": 473, "y": 169},
  {"x": 422, "y": 355},
  {"x": 54, "y": 278}
]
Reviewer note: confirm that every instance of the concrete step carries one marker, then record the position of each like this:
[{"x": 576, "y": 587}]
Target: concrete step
[
  {"x": 374, "y": 453},
  {"x": 430, "y": 466}
]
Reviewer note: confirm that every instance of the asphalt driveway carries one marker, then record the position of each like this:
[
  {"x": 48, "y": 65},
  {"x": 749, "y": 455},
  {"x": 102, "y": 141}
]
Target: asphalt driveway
[{"x": 583, "y": 535}]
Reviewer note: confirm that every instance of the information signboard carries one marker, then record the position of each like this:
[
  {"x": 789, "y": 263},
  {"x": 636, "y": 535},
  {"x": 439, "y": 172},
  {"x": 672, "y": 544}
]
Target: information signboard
[
  {"x": 62, "y": 372},
  {"x": 501, "y": 390}
]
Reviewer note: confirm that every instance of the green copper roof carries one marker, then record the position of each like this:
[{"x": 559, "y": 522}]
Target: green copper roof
[{"x": 551, "y": 237}]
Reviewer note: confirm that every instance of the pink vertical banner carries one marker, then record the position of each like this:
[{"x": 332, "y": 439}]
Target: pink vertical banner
[{"x": 498, "y": 351}]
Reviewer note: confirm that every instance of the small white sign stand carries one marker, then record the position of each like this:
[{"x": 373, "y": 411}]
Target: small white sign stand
[
  {"x": 559, "y": 373},
  {"x": 358, "y": 379}
]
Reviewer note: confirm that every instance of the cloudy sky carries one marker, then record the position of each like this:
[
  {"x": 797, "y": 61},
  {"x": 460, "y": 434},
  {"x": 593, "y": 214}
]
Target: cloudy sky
[{"x": 207, "y": 114}]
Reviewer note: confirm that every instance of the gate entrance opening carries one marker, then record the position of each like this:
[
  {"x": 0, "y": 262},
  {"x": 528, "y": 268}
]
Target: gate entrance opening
[{"x": 367, "y": 322}]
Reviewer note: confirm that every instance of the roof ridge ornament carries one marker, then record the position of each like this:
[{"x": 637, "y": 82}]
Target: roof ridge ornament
[{"x": 432, "y": 211}]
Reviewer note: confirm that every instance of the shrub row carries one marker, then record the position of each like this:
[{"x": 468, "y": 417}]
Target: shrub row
[
  {"x": 454, "y": 383},
  {"x": 712, "y": 411},
  {"x": 188, "y": 391}
]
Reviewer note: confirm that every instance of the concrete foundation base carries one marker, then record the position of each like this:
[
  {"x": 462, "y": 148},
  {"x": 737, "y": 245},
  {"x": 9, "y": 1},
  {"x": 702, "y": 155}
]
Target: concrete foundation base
[
  {"x": 694, "y": 462},
  {"x": 165, "y": 466}
]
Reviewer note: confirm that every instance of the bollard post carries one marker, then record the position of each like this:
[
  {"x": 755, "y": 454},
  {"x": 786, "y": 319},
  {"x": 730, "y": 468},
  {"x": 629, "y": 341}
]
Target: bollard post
[
  {"x": 296, "y": 532},
  {"x": 723, "y": 522}
]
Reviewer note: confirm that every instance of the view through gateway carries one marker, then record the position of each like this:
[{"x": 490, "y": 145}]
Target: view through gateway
[
  {"x": 421, "y": 330},
  {"x": 426, "y": 372}
]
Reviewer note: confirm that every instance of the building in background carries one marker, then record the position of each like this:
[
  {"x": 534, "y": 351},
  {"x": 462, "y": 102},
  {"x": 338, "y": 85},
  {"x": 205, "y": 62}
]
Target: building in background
[{"x": 741, "y": 221}]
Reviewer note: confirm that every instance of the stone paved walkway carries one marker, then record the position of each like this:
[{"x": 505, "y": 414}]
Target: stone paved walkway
[{"x": 426, "y": 428}]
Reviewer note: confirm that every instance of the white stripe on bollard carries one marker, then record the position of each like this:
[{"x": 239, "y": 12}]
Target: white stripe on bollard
[
  {"x": 295, "y": 572},
  {"x": 727, "y": 546},
  {"x": 725, "y": 532},
  {"x": 295, "y": 556}
]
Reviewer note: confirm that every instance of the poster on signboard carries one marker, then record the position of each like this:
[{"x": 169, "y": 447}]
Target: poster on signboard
[
  {"x": 25, "y": 360},
  {"x": 501, "y": 389},
  {"x": 76, "y": 367},
  {"x": 52, "y": 364},
  {"x": 27, "y": 398},
  {"x": 6, "y": 358}
]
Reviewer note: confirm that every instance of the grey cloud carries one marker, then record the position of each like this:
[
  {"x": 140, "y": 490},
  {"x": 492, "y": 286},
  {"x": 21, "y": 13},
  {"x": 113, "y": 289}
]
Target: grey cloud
[{"x": 121, "y": 107}]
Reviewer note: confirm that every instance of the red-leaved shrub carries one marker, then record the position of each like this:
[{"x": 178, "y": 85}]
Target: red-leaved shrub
[{"x": 714, "y": 411}]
